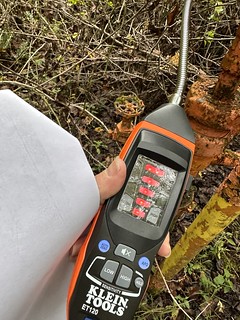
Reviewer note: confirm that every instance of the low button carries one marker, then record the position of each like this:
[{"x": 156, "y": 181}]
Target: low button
[
  {"x": 125, "y": 252},
  {"x": 109, "y": 270},
  {"x": 125, "y": 277}
]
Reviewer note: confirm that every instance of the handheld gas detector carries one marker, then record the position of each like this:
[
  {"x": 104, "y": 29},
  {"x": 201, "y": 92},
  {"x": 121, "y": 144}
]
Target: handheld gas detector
[{"x": 114, "y": 264}]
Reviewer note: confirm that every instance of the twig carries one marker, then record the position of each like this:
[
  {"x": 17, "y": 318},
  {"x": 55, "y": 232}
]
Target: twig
[
  {"x": 83, "y": 108},
  {"x": 169, "y": 291},
  {"x": 39, "y": 36},
  {"x": 86, "y": 151},
  {"x": 202, "y": 311},
  {"x": 52, "y": 110},
  {"x": 90, "y": 52},
  {"x": 47, "y": 23},
  {"x": 173, "y": 298},
  {"x": 30, "y": 58},
  {"x": 120, "y": 12},
  {"x": 94, "y": 159},
  {"x": 43, "y": 94},
  {"x": 21, "y": 84},
  {"x": 69, "y": 68}
]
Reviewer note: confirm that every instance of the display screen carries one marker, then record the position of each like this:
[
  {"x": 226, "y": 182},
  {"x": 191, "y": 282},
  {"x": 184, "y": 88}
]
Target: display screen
[{"x": 148, "y": 190}]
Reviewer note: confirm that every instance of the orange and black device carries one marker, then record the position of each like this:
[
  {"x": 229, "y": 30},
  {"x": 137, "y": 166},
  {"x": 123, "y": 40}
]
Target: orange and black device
[{"x": 114, "y": 264}]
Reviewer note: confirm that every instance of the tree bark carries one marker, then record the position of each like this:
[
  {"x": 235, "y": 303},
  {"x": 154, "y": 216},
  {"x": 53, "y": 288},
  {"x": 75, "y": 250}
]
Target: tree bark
[
  {"x": 213, "y": 109},
  {"x": 220, "y": 211},
  {"x": 229, "y": 79}
]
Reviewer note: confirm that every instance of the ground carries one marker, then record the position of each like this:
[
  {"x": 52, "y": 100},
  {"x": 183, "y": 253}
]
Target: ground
[{"x": 72, "y": 59}]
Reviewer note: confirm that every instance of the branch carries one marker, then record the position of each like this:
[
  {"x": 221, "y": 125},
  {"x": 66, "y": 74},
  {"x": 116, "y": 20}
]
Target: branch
[
  {"x": 169, "y": 291},
  {"x": 42, "y": 93},
  {"x": 173, "y": 298},
  {"x": 82, "y": 107}
]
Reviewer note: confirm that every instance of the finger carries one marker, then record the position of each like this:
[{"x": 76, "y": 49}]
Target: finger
[
  {"x": 165, "y": 249},
  {"x": 111, "y": 180},
  {"x": 73, "y": 252},
  {"x": 109, "y": 183}
]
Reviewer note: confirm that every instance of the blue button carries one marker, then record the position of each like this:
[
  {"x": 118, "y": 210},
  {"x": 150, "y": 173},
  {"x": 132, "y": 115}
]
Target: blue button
[
  {"x": 144, "y": 263},
  {"x": 87, "y": 318},
  {"x": 104, "y": 246}
]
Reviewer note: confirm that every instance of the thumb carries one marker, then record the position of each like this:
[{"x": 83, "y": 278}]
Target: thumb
[
  {"x": 109, "y": 183},
  {"x": 111, "y": 180}
]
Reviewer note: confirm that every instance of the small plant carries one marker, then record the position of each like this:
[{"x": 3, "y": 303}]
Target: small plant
[
  {"x": 109, "y": 3},
  {"x": 98, "y": 145},
  {"x": 215, "y": 16},
  {"x": 208, "y": 37},
  {"x": 213, "y": 284},
  {"x": 5, "y": 40},
  {"x": 219, "y": 249},
  {"x": 73, "y": 2},
  {"x": 218, "y": 10},
  {"x": 221, "y": 282},
  {"x": 224, "y": 281},
  {"x": 183, "y": 301}
]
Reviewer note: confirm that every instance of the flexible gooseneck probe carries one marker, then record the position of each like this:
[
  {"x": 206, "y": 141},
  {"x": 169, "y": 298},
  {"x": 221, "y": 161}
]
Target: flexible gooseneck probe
[{"x": 176, "y": 97}]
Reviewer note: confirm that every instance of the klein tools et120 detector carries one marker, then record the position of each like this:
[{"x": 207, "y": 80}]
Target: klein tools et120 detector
[{"x": 114, "y": 264}]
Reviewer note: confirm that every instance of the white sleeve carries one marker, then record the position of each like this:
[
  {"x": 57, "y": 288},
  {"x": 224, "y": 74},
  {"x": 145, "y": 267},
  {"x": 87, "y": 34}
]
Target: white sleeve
[{"x": 48, "y": 195}]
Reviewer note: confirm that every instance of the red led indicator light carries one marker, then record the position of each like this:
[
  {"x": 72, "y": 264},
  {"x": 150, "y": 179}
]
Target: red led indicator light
[
  {"x": 154, "y": 170},
  {"x": 150, "y": 181},
  {"x": 143, "y": 203},
  {"x": 146, "y": 192},
  {"x": 138, "y": 213}
]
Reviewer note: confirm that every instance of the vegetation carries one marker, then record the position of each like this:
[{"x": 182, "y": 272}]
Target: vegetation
[{"x": 72, "y": 59}]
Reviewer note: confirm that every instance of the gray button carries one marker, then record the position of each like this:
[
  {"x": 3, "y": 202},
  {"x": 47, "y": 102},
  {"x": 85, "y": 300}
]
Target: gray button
[
  {"x": 126, "y": 203},
  {"x": 139, "y": 282},
  {"x": 124, "y": 278},
  {"x": 125, "y": 252},
  {"x": 153, "y": 215},
  {"x": 109, "y": 270}
]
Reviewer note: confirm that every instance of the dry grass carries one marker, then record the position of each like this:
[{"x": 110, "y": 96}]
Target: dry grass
[{"x": 58, "y": 56}]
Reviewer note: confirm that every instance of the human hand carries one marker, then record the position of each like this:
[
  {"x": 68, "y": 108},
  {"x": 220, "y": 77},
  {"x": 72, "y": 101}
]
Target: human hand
[{"x": 109, "y": 183}]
